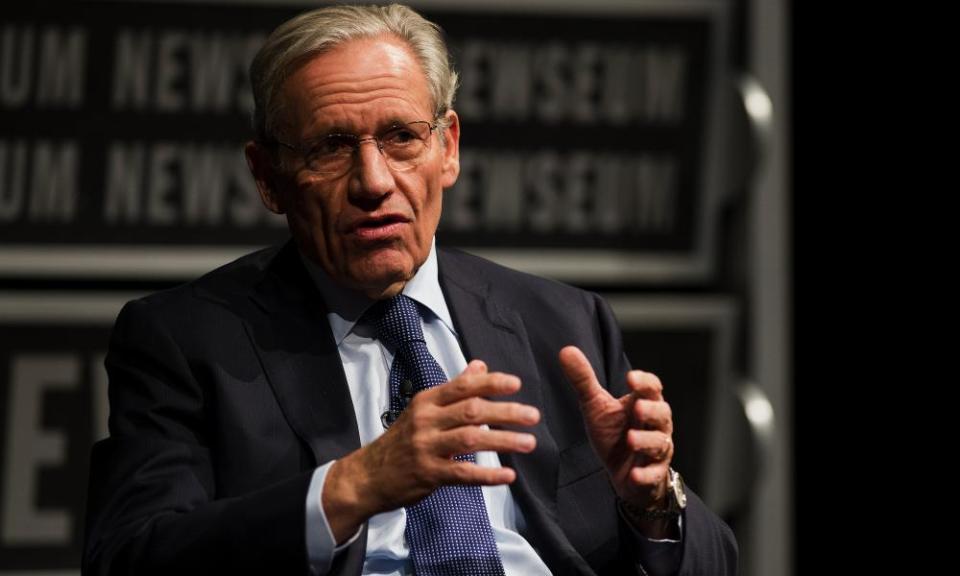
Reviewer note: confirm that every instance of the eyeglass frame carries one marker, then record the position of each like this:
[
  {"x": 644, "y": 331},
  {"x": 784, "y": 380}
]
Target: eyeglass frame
[{"x": 357, "y": 141}]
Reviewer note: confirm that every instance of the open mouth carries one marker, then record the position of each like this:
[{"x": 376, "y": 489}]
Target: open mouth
[
  {"x": 380, "y": 227},
  {"x": 381, "y": 221}
]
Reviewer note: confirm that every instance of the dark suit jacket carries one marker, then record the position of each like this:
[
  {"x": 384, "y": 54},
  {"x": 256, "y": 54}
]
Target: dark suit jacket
[{"x": 227, "y": 392}]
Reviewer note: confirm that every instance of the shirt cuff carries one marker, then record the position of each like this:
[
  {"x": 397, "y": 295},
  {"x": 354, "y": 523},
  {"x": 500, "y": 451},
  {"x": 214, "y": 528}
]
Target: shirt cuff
[
  {"x": 321, "y": 546},
  {"x": 658, "y": 557}
]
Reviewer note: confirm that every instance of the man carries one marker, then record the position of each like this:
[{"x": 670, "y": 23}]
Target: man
[{"x": 290, "y": 412}]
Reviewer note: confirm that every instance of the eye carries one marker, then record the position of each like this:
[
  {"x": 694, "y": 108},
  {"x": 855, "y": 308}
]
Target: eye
[
  {"x": 399, "y": 136},
  {"x": 334, "y": 145}
]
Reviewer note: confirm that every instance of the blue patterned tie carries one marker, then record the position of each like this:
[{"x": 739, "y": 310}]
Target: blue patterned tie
[{"x": 448, "y": 532}]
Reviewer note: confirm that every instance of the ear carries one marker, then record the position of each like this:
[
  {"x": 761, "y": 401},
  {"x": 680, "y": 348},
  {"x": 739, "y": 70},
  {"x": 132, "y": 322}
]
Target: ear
[
  {"x": 261, "y": 163},
  {"x": 451, "y": 150}
]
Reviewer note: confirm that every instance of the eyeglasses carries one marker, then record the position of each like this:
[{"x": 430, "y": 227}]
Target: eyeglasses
[{"x": 404, "y": 146}]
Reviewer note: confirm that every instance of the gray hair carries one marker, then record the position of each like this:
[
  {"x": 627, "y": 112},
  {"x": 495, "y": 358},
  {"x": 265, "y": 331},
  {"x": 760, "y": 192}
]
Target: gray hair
[{"x": 318, "y": 31}]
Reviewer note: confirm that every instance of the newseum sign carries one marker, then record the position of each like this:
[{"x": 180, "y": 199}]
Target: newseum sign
[{"x": 589, "y": 150}]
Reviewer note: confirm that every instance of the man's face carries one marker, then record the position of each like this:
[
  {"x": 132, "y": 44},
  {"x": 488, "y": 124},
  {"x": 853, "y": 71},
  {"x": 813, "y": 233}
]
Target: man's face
[{"x": 371, "y": 228}]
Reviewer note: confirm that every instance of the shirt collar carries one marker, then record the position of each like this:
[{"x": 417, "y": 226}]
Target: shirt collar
[{"x": 346, "y": 306}]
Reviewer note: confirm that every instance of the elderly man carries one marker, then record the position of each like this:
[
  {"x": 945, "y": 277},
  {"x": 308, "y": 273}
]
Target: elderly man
[{"x": 311, "y": 409}]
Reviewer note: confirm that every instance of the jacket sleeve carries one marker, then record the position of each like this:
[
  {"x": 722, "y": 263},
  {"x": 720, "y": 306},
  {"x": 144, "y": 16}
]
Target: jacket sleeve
[{"x": 152, "y": 501}]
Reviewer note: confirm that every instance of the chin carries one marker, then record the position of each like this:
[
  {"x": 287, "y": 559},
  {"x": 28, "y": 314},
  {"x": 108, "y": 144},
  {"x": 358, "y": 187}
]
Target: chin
[{"x": 378, "y": 271}]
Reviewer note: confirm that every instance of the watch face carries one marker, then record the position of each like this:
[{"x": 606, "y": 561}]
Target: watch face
[{"x": 676, "y": 482}]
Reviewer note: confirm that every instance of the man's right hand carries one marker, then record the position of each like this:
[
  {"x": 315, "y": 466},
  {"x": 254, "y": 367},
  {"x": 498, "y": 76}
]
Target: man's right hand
[{"x": 415, "y": 456}]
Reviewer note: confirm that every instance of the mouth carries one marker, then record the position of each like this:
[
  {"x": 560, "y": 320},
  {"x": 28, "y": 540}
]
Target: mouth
[{"x": 377, "y": 228}]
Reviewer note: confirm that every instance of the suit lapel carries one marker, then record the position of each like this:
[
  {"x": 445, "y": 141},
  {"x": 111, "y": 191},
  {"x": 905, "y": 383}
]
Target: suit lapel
[{"x": 293, "y": 339}]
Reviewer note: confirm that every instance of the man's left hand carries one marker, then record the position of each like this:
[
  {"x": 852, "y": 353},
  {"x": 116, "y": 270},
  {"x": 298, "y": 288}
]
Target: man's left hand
[{"x": 632, "y": 434}]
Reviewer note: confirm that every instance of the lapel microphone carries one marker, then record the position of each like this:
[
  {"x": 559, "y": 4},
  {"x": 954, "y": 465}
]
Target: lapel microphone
[{"x": 406, "y": 392}]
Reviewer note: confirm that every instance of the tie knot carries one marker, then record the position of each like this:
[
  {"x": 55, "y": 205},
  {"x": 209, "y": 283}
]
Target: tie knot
[{"x": 397, "y": 320}]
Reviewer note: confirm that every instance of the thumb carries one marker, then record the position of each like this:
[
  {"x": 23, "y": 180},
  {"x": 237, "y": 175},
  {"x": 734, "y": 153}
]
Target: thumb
[
  {"x": 475, "y": 367},
  {"x": 580, "y": 373}
]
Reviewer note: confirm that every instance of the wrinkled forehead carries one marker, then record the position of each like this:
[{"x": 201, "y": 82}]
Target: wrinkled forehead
[{"x": 361, "y": 81}]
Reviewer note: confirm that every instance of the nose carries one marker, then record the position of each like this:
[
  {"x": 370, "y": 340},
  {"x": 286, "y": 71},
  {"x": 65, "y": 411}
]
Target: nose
[{"x": 371, "y": 178}]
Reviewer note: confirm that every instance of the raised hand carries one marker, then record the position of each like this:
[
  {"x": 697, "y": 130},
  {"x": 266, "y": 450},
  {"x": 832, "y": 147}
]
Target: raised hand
[
  {"x": 632, "y": 434},
  {"x": 414, "y": 456}
]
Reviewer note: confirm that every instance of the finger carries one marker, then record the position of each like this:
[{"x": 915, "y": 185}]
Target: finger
[
  {"x": 470, "y": 385},
  {"x": 651, "y": 446},
  {"x": 580, "y": 373},
  {"x": 472, "y": 439},
  {"x": 457, "y": 472},
  {"x": 653, "y": 415},
  {"x": 649, "y": 476},
  {"x": 475, "y": 367},
  {"x": 476, "y": 411},
  {"x": 645, "y": 384}
]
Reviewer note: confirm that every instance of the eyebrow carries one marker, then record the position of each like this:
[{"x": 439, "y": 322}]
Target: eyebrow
[{"x": 338, "y": 129}]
